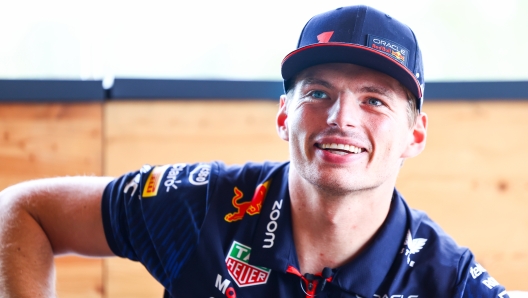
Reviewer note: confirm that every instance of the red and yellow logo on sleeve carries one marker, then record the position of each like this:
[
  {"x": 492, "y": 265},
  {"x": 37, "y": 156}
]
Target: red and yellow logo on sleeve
[{"x": 153, "y": 181}]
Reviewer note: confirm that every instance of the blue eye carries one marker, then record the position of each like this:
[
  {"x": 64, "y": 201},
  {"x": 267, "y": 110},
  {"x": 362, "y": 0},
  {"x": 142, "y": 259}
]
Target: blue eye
[
  {"x": 375, "y": 102},
  {"x": 319, "y": 94}
]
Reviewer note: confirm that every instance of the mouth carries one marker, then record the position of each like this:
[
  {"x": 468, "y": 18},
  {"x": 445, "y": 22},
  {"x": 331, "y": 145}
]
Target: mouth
[{"x": 340, "y": 149}]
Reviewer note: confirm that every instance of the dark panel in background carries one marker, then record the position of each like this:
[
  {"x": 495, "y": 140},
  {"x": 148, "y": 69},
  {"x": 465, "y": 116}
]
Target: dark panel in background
[
  {"x": 66, "y": 91},
  {"x": 476, "y": 90},
  {"x": 194, "y": 89},
  {"x": 51, "y": 91}
]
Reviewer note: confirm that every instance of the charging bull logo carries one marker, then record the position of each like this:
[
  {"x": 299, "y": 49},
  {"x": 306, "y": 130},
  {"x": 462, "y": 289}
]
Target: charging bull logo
[
  {"x": 398, "y": 55},
  {"x": 251, "y": 207}
]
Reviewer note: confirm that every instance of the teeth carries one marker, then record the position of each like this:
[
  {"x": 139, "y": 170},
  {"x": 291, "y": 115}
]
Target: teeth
[
  {"x": 339, "y": 152},
  {"x": 344, "y": 147}
]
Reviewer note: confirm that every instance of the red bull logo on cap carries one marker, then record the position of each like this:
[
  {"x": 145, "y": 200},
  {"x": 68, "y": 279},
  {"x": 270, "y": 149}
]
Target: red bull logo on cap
[
  {"x": 398, "y": 56},
  {"x": 390, "y": 48},
  {"x": 251, "y": 207}
]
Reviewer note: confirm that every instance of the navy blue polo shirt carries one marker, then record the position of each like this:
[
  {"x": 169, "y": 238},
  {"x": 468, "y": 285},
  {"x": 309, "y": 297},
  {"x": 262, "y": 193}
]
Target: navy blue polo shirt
[{"x": 210, "y": 230}]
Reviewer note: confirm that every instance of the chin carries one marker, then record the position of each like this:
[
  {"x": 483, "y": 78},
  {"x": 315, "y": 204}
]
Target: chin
[{"x": 338, "y": 186}]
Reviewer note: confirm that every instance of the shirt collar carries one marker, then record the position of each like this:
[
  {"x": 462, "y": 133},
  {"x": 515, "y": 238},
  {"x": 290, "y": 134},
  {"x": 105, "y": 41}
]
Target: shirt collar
[
  {"x": 365, "y": 273},
  {"x": 273, "y": 246}
]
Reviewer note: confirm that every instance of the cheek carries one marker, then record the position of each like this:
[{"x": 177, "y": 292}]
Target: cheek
[
  {"x": 298, "y": 120},
  {"x": 302, "y": 127},
  {"x": 389, "y": 134},
  {"x": 381, "y": 127},
  {"x": 399, "y": 138}
]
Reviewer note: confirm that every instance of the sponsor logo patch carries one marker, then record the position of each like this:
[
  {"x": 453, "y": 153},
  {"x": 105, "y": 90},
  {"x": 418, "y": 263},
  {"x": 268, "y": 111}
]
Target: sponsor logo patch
[
  {"x": 252, "y": 207},
  {"x": 153, "y": 181},
  {"x": 325, "y": 37},
  {"x": 413, "y": 247},
  {"x": 242, "y": 273},
  {"x": 223, "y": 286},
  {"x": 490, "y": 282},
  {"x": 390, "y": 48},
  {"x": 200, "y": 175},
  {"x": 171, "y": 180},
  {"x": 477, "y": 270},
  {"x": 272, "y": 225}
]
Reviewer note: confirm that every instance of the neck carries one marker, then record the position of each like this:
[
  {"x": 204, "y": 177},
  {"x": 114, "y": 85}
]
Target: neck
[{"x": 330, "y": 230}]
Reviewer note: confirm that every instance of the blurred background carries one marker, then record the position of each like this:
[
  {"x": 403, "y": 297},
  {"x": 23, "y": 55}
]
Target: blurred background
[
  {"x": 194, "y": 81},
  {"x": 233, "y": 39}
]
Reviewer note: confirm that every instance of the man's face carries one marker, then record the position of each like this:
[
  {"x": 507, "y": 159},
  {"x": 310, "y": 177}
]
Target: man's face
[{"x": 348, "y": 128}]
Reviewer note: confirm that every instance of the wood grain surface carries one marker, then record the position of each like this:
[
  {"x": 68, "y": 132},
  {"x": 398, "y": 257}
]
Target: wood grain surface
[{"x": 49, "y": 140}]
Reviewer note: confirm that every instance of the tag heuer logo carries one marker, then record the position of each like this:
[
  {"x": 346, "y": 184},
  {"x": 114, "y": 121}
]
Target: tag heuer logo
[{"x": 242, "y": 273}]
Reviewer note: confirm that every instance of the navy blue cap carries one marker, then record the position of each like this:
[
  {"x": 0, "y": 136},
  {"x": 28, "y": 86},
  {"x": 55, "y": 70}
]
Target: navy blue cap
[{"x": 359, "y": 35}]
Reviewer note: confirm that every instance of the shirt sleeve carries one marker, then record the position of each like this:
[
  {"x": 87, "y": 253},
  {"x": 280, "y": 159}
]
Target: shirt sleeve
[
  {"x": 475, "y": 281},
  {"x": 154, "y": 216}
]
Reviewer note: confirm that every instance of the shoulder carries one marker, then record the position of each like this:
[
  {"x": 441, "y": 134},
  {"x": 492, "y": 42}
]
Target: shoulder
[
  {"x": 245, "y": 175},
  {"x": 433, "y": 246},
  {"x": 246, "y": 171},
  {"x": 448, "y": 263},
  {"x": 422, "y": 226}
]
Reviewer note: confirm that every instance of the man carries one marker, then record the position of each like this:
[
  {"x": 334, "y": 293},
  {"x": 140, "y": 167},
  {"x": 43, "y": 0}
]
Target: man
[{"x": 328, "y": 224}]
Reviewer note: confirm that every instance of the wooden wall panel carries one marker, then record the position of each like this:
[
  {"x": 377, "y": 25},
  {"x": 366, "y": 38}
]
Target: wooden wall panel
[
  {"x": 125, "y": 278},
  {"x": 182, "y": 131},
  {"x": 47, "y": 140},
  {"x": 472, "y": 179},
  {"x": 158, "y": 132}
]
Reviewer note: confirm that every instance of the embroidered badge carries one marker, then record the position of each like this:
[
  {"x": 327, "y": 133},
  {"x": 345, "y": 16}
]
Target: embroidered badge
[
  {"x": 390, "y": 48},
  {"x": 251, "y": 207},
  {"x": 242, "y": 273}
]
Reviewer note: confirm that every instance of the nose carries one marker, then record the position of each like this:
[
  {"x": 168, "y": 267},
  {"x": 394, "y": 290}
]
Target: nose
[{"x": 344, "y": 112}]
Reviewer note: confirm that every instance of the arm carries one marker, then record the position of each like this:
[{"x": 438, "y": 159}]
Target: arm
[{"x": 43, "y": 218}]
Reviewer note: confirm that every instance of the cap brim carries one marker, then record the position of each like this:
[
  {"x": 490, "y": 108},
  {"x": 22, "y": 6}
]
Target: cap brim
[{"x": 334, "y": 52}]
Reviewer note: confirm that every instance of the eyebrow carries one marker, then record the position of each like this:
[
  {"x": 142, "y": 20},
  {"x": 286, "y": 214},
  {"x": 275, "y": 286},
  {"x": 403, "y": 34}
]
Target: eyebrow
[
  {"x": 316, "y": 81},
  {"x": 376, "y": 89},
  {"x": 363, "y": 89}
]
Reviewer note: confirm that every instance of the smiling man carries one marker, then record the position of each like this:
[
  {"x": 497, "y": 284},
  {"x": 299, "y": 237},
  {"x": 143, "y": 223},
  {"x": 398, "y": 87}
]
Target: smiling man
[
  {"x": 329, "y": 223},
  {"x": 349, "y": 130}
]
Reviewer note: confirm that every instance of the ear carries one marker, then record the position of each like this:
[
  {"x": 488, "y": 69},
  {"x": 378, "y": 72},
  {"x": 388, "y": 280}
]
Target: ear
[
  {"x": 282, "y": 119},
  {"x": 417, "y": 137}
]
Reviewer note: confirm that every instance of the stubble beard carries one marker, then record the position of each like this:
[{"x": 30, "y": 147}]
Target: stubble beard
[
  {"x": 340, "y": 182},
  {"x": 335, "y": 185}
]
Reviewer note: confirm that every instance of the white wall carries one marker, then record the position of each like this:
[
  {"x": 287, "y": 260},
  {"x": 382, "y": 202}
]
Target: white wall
[{"x": 233, "y": 39}]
